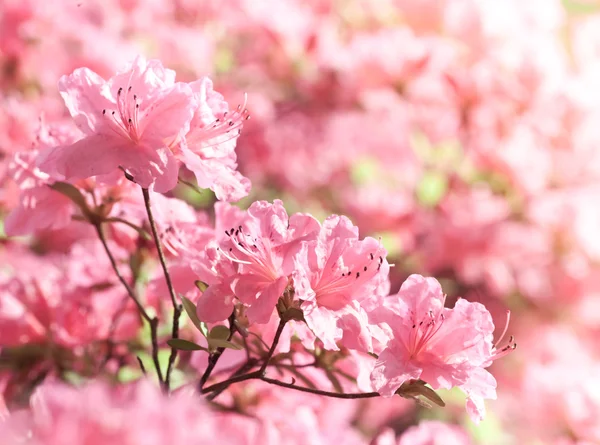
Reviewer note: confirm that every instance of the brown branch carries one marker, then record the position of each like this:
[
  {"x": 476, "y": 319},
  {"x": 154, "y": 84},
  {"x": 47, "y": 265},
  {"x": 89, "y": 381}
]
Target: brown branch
[
  {"x": 263, "y": 368},
  {"x": 152, "y": 321},
  {"x": 177, "y": 309},
  {"x": 214, "y": 358},
  {"x": 257, "y": 375}
]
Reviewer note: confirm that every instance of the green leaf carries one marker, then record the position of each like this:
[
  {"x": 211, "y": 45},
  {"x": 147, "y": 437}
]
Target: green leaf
[
  {"x": 201, "y": 285},
  {"x": 218, "y": 343},
  {"x": 415, "y": 388},
  {"x": 219, "y": 333},
  {"x": 431, "y": 395},
  {"x": 184, "y": 345},
  {"x": 190, "y": 310}
]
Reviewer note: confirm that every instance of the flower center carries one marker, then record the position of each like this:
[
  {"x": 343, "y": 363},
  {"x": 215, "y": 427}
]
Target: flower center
[
  {"x": 125, "y": 119},
  {"x": 422, "y": 332}
]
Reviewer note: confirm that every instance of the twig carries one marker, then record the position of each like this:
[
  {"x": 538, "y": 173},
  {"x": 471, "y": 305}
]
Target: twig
[
  {"x": 177, "y": 309},
  {"x": 335, "y": 395},
  {"x": 152, "y": 321},
  {"x": 257, "y": 375},
  {"x": 143, "y": 368},
  {"x": 113, "y": 262},
  {"x": 263, "y": 368},
  {"x": 214, "y": 358},
  {"x": 240, "y": 371}
]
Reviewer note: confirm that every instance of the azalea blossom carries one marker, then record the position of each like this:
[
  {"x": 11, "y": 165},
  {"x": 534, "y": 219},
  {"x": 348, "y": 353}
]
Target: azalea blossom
[
  {"x": 333, "y": 274},
  {"x": 208, "y": 149},
  {"x": 444, "y": 347},
  {"x": 130, "y": 122},
  {"x": 261, "y": 248}
]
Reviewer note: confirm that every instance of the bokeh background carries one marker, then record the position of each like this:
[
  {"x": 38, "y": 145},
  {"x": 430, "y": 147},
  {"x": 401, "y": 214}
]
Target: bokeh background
[{"x": 464, "y": 133}]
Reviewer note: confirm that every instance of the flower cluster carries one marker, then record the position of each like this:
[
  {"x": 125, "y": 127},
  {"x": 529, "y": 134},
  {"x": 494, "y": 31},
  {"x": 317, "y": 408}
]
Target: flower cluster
[{"x": 460, "y": 136}]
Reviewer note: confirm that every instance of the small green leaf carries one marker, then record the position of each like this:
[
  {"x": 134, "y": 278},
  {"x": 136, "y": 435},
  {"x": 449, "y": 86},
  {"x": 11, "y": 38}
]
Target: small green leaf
[
  {"x": 431, "y": 395},
  {"x": 415, "y": 388},
  {"x": 184, "y": 345},
  {"x": 190, "y": 310},
  {"x": 201, "y": 285},
  {"x": 218, "y": 343},
  {"x": 219, "y": 333}
]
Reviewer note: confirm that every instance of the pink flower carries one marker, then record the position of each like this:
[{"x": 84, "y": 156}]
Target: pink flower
[
  {"x": 333, "y": 274},
  {"x": 130, "y": 122},
  {"x": 209, "y": 148},
  {"x": 260, "y": 247},
  {"x": 444, "y": 347},
  {"x": 39, "y": 206}
]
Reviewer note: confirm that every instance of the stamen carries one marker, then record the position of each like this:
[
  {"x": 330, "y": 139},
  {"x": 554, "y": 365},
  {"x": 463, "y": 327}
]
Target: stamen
[{"x": 505, "y": 329}]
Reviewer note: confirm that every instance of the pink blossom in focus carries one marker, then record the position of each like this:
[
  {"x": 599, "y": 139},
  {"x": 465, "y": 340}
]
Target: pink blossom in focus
[
  {"x": 444, "y": 347},
  {"x": 209, "y": 148},
  {"x": 333, "y": 272},
  {"x": 130, "y": 122},
  {"x": 261, "y": 249}
]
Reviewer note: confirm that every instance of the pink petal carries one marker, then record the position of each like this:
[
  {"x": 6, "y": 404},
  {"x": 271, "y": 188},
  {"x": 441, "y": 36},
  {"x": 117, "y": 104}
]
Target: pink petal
[
  {"x": 323, "y": 322},
  {"x": 422, "y": 295},
  {"x": 215, "y": 304},
  {"x": 82, "y": 93},
  {"x": 260, "y": 311},
  {"x": 39, "y": 208},
  {"x": 169, "y": 115},
  {"x": 391, "y": 370}
]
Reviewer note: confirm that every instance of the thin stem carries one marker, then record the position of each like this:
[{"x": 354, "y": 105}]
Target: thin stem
[
  {"x": 141, "y": 363},
  {"x": 280, "y": 327},
  {"x": 141, "y": 231},
  {"x": 161, "y": 255},
  {"x": 152, "y": 321},
  {"x": 126, "y": 285},
  {"x": 221, "y": 386},
  {"x": 257, "y": 375},
  {"x": 173, "y": 354},
  {"x": 335, "y": 395},
  {"x": 214, "y": 358},
  {"x": 240, "y": 371},
  {"x": 177, "y": 309}
]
